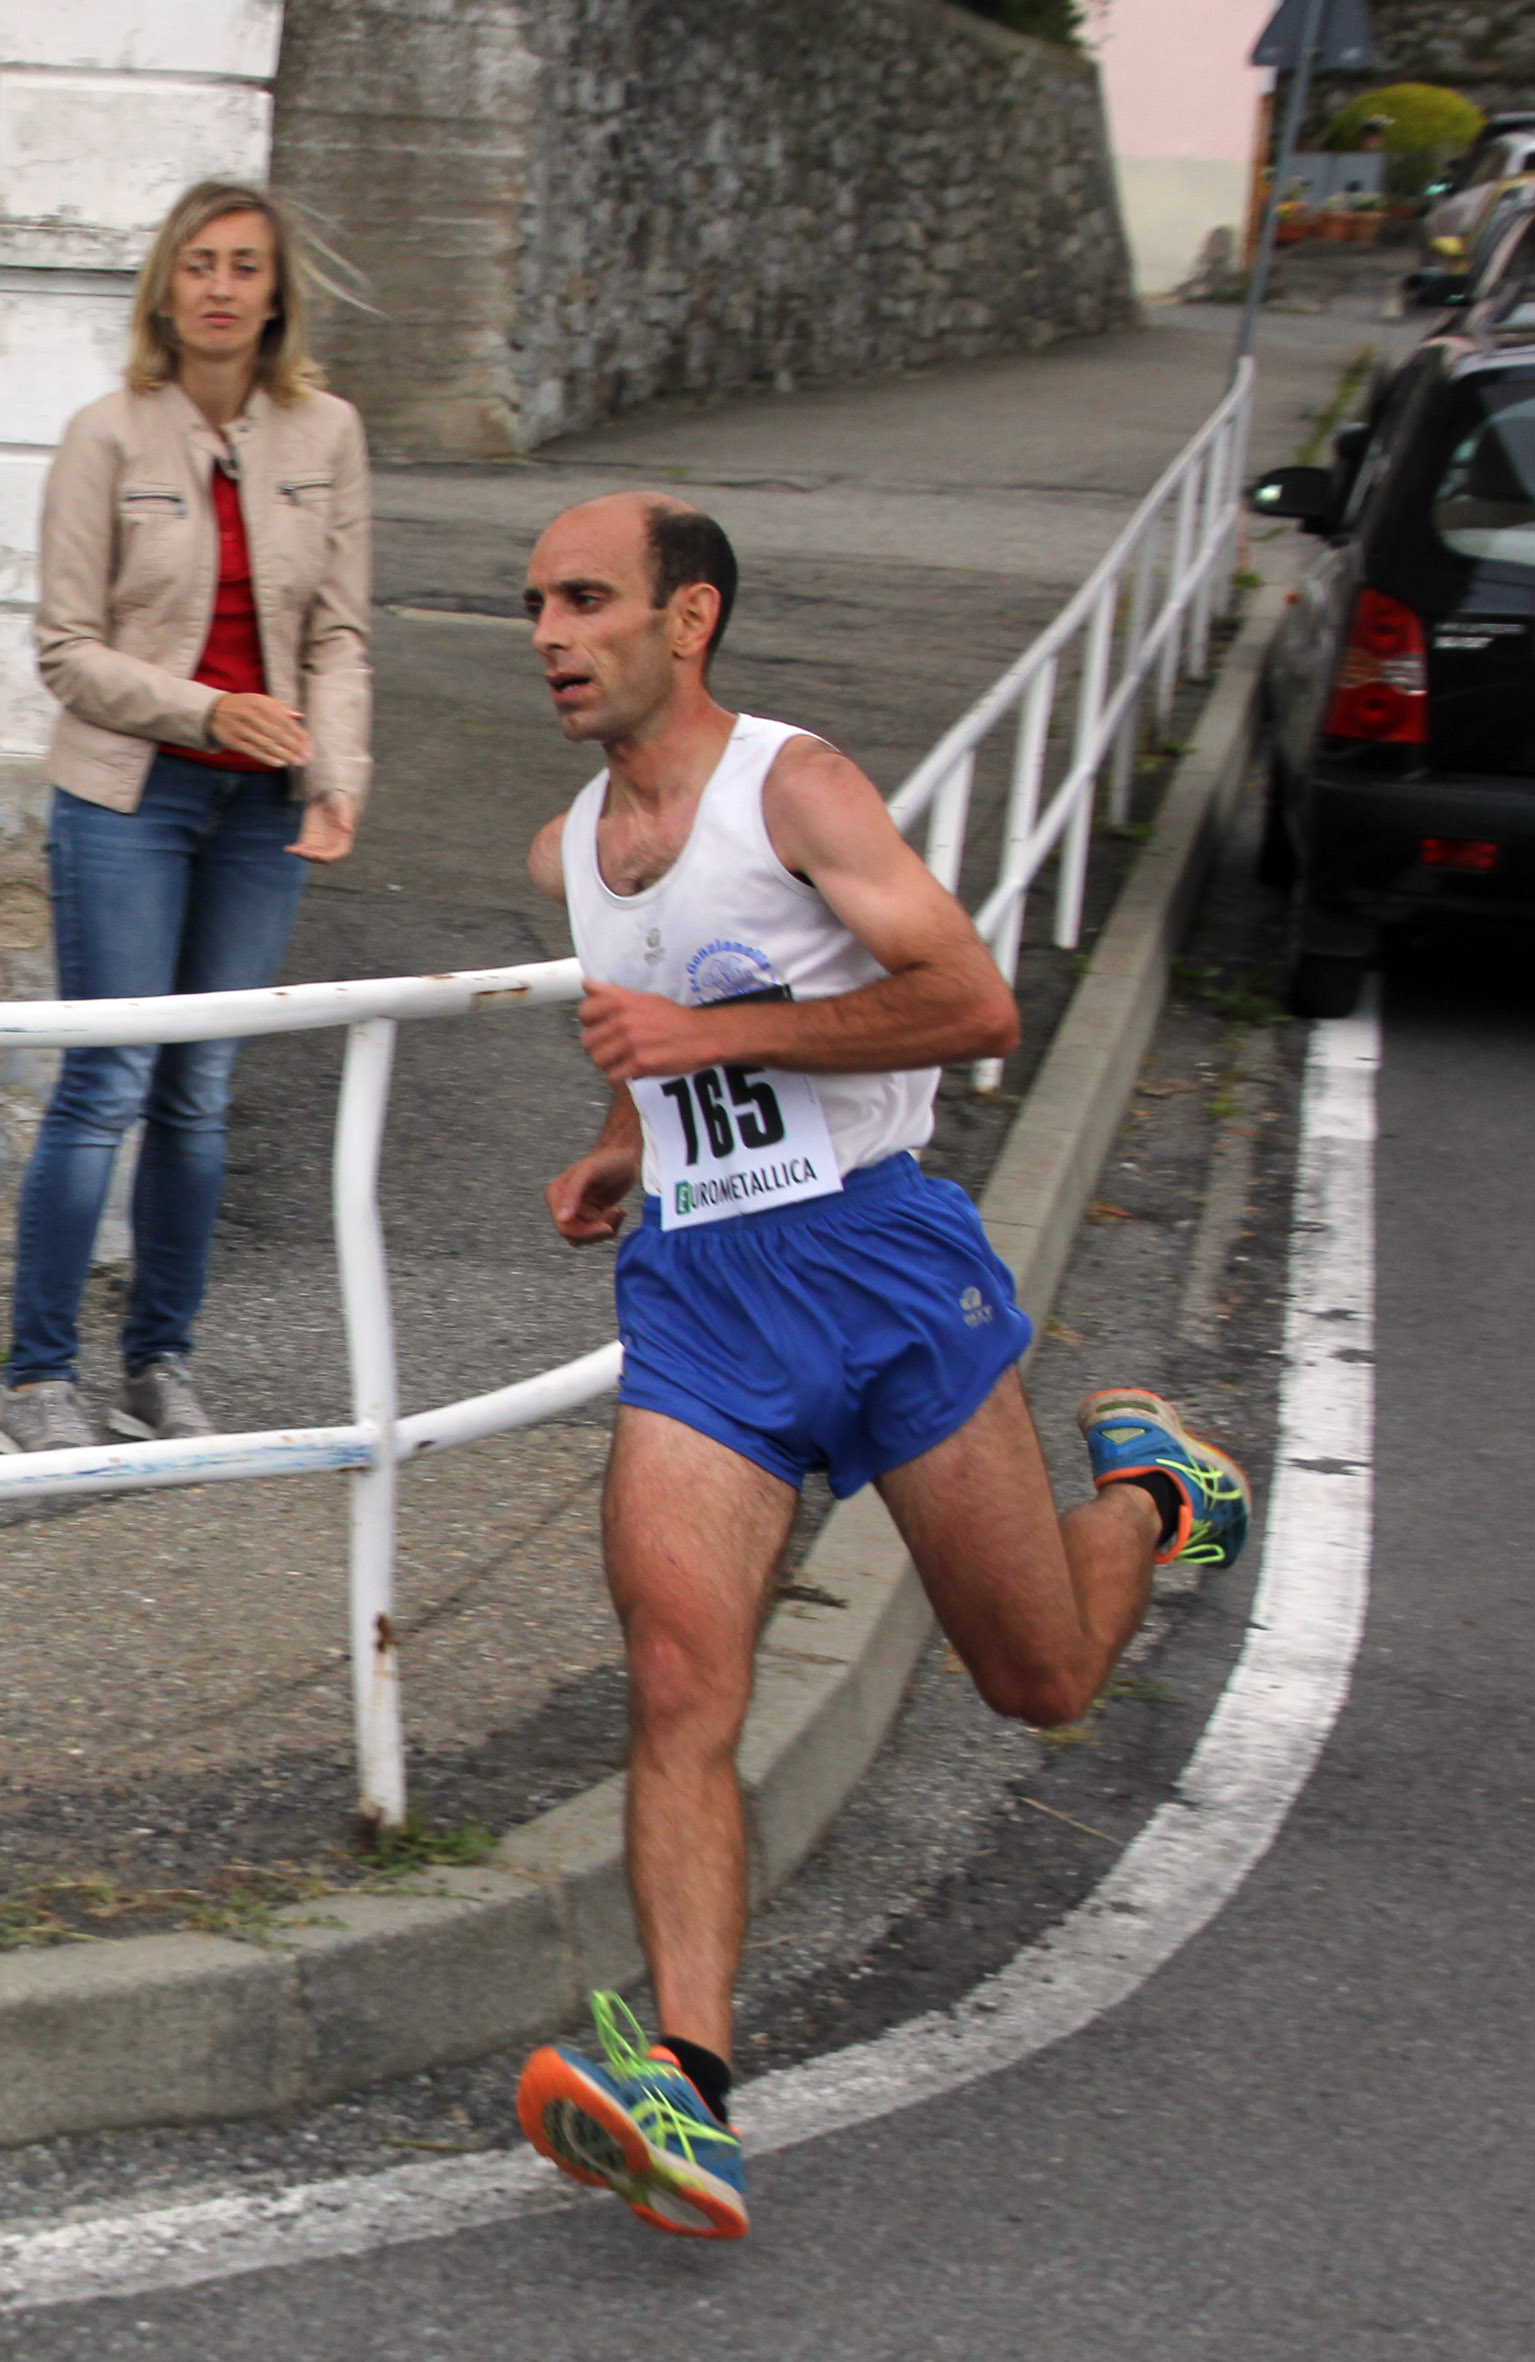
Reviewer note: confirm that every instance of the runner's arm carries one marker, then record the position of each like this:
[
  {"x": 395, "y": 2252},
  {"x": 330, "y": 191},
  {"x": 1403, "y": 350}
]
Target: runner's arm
[
  {"x": 545, "y": 866},
  {"x": 942, "y": 997},
  {"x": 586, "y": 1200}
]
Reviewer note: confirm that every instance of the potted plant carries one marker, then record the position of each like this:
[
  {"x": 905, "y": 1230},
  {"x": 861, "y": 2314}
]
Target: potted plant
[{"x": 1367, "y": 217}]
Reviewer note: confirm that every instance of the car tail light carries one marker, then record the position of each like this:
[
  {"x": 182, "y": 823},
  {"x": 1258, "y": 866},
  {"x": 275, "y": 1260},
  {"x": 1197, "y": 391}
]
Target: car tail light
[
  {"x": 1458, "y": 853},
  {"x": 1381, "y": 691}
]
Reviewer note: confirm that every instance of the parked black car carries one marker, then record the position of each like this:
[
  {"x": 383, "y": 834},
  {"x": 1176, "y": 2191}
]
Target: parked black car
[{"x": 1400, "y": 688}]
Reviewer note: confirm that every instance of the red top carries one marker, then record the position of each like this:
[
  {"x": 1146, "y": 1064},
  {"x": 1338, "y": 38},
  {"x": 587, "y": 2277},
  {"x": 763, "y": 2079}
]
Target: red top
[{"x": 231, "y": 659}]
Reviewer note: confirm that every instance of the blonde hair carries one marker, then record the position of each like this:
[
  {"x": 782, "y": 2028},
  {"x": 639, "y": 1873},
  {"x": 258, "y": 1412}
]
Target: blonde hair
[{"x": 284, "y": 365}]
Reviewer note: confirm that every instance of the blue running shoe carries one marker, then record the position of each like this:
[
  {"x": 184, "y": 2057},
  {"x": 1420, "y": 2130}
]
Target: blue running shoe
[
  {"x": 635, "y": 2125},
  {"x": 1130, "y": 1433}
]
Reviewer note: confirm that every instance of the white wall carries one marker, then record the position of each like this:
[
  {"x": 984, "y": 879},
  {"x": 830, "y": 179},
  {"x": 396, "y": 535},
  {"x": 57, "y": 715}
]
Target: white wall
[
  {"x": 108, "y": 108},
  {"x": 1183, "y": 117}
]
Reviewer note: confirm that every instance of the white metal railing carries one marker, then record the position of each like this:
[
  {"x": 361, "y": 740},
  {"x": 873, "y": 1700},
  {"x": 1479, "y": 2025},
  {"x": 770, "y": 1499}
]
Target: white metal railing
[
  {"x": 1144, "y": 614},
  {"x": 372, "y": 1444}
]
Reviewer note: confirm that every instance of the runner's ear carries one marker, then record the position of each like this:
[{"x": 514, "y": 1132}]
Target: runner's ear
[{"x": 695, "y": 610}]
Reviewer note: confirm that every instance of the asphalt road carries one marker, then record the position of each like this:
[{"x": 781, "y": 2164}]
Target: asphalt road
[{"x": 1307, "y": 2136}]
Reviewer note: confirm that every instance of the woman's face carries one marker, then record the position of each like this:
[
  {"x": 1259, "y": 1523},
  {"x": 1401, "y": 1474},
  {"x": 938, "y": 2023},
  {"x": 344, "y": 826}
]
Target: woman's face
[{"x": 223, "y": 289}]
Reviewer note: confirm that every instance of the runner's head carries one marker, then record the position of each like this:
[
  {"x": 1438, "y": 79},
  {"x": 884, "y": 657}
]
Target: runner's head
[{"x": 629, "y": 597}]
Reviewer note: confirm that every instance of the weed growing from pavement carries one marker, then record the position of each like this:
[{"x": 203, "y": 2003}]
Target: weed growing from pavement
[
  {"x": 1243, "y": 1000},
  {"x": 419, "y": 1846},
  {"x": 1326, "y": 420},
  {"x": 240, "y": 1899}
]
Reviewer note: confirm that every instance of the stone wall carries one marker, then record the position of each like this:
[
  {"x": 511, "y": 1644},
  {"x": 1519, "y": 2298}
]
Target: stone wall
[
  {"x": 572, "y": 206},
  {"x": 402, "y": 129}
]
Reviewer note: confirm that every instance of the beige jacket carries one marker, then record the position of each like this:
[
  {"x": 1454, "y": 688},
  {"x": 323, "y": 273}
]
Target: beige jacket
[{"x": 130, "y": 569}]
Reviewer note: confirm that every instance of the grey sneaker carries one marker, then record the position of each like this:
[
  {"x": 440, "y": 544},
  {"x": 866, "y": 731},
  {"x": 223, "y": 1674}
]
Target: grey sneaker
[
  {"x": 47, "y": 1417},
  {"x": 159, "y": 1404}
]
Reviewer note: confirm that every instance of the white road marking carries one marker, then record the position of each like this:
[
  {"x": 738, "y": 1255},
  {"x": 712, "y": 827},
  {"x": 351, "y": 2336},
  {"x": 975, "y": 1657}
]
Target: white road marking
[{"x": 1255, "y": 1756}]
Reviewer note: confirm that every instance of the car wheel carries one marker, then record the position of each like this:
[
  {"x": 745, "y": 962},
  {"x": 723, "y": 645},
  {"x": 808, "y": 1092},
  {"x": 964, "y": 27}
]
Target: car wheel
[
  {"x": 1323, "y": 984},
  {"x": 1276, "y": 864}
]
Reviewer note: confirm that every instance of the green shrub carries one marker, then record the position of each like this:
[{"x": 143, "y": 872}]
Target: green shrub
[
  {"x": 1420, "y": 118},
  {"x": 1047, "y": 20}
]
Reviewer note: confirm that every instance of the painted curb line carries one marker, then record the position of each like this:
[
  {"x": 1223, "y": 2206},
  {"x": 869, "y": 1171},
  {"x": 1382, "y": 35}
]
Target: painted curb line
[{"x": 189, "y": 2028}]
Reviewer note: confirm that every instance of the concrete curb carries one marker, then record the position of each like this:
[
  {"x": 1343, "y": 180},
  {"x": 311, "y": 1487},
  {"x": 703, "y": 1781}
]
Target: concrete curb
[{"x": 188, "y": 2028}]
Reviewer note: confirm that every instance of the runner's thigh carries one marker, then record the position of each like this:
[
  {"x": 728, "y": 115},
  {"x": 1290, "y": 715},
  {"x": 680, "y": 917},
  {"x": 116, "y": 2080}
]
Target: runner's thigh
[
  {"x": 693, "y": 1533},
  {"x": 978, "y": 1516}
]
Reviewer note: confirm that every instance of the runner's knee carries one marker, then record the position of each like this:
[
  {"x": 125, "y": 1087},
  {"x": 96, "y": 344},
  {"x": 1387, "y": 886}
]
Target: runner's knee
[
  {"x": 1037, "y": 1695},
  {"x": 675, "y": 1682}
]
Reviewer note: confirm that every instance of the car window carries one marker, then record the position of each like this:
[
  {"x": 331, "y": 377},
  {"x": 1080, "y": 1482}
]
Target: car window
[
  {"x": 1484, "y": 504},
  {"x": 1385, "y": 434},
  {"x": 1508, "y": 291},
  {"x": 1514, "y": 261}
]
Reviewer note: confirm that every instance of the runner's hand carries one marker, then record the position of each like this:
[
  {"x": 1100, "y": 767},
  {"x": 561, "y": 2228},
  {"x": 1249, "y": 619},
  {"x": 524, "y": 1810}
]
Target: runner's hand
[
  {"x": 330, "y": 824},
  {"x": 631, "y": 1034},
  {"x": 259, "y": 727},
  {"x": 586, "y": 1200}
]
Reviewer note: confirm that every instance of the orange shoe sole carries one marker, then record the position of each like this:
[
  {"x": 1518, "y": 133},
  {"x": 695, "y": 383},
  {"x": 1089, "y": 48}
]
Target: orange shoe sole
[{"x": 569, "y": 2118}]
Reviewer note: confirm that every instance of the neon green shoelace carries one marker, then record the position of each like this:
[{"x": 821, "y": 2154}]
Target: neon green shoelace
[
  {"x": 659, "y": 2119},
  {"x": 1203, "y": 1547}
]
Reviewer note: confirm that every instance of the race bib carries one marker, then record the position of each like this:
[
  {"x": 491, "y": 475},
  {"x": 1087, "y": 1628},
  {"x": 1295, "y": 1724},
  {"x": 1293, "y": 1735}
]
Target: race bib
[{"x": 735, "y": 1140}]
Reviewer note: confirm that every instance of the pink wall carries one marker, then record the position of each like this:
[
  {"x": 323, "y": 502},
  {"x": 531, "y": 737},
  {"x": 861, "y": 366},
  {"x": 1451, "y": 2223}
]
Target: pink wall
[{"x": 1176, "y": 76}]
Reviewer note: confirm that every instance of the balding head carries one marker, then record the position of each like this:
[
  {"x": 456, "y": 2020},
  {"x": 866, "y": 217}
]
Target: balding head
[
  {"x": 680, "y": 544},
  {"x": 623, "y": 591}
]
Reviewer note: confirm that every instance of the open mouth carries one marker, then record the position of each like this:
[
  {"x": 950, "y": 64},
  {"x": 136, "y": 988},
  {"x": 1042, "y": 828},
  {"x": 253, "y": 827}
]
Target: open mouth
[{"x": 567, "y": 684}]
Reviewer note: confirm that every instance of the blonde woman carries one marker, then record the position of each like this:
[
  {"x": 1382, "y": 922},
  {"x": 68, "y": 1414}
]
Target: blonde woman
[{"x": 203, "y": 625}]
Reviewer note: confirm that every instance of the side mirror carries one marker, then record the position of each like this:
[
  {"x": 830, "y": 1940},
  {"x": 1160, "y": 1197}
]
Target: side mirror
[
  {"x": 1436, "y": 291},
  {"x": 1304, "y": 493}
]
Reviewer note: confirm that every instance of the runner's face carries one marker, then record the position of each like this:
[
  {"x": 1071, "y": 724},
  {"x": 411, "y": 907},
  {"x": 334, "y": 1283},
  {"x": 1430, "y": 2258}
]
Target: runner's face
[{"x": 605, "y": 648}]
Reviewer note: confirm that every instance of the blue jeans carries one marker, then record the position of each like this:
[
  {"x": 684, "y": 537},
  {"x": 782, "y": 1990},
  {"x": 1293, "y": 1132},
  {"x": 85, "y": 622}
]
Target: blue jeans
[{"x": 193, "y": 892}]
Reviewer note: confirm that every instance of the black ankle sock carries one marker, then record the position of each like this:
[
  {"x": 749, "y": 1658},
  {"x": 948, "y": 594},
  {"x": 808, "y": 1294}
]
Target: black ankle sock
[
  {"x": 706, "y": 2071},
  {"x": 1168, "y": 1498}
]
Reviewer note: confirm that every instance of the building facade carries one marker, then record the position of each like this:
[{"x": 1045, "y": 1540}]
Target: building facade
[{"x": 1183, "y": 107}]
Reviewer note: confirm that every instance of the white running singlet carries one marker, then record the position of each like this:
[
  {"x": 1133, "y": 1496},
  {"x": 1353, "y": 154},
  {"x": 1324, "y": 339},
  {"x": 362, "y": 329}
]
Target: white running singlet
[{"x": 729, "y": 921}]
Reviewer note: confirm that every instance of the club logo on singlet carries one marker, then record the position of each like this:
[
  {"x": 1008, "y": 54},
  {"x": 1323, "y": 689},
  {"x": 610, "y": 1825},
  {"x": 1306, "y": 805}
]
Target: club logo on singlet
[{"x": 724, "y": 971}]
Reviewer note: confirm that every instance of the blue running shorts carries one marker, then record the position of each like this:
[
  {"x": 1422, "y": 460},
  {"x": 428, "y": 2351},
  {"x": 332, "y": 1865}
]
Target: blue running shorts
[{"x": 849, "y": 1333}]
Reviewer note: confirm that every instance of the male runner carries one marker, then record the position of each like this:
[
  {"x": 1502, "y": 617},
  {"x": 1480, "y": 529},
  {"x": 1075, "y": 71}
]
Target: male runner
[{"x": 773, "y": 981}]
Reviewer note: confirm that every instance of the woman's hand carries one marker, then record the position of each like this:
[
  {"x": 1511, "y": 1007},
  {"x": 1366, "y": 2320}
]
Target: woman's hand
[
  {"x": 261, "y": 728},
  {"x": 330, "y": 824}
]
